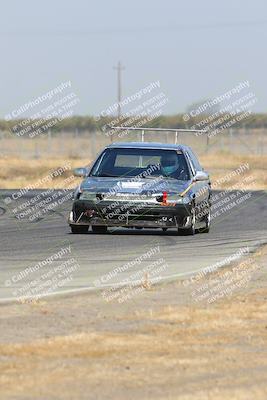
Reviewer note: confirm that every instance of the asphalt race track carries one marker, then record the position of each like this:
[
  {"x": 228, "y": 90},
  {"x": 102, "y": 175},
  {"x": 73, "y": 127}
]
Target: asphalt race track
[{"x": 25, "y": 242}]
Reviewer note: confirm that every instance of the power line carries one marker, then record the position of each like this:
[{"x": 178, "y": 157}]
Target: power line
[{"x": 138, "y": 30}]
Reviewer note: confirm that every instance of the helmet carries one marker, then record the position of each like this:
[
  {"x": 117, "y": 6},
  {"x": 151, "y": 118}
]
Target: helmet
[{"x": 169, "y": 162}]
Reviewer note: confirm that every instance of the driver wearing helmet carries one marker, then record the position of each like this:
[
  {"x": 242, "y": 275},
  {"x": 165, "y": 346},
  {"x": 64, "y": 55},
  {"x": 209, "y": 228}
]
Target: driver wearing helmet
[{"x": 170, "y": 165}]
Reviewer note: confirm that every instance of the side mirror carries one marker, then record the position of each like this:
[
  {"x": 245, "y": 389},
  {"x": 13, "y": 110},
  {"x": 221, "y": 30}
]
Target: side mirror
[
  {"x": 82, "y": 172},
  {"x": 201, "y": 176}
]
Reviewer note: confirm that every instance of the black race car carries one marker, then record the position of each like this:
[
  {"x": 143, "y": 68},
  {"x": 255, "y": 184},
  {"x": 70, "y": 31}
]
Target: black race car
[{"x": 143, "y": 185}]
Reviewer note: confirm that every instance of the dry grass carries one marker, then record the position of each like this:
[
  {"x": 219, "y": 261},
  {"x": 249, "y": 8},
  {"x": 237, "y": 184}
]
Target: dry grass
[
  {"x": 192, "y": 352},
  {"x": 221, "y": 164},
  {"x": 18, "y": 173},
  {"x": 228, "y": 161},
  {"x": 179, "y": 351}
]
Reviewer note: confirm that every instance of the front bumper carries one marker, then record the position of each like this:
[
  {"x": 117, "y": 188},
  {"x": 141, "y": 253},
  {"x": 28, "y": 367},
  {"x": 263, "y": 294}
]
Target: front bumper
[{"x": 135, "y": 215}]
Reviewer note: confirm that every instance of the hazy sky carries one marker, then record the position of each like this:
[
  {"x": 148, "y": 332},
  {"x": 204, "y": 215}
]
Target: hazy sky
[{"x": 196, "y": 49}]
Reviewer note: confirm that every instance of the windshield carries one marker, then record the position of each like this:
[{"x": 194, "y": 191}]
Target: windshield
[{"x": 132, "y": 162}]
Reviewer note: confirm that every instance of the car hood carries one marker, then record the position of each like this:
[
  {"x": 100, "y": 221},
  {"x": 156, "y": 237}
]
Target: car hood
[{"x": 132, "y": 186}]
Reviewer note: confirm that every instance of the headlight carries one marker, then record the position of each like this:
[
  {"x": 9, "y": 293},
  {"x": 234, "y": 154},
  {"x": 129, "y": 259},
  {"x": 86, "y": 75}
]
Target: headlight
[
  {"x": 77, "y": 193},
  {"x": 178, "y": 199},
  {"x": 186, "y": 200},
  {"x": 86, "y": 195}
]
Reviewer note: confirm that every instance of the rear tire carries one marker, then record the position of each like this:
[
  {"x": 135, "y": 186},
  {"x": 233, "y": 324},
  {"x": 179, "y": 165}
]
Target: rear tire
[
  {"x": 79, "y": 229},
  {"x": 99, "y": 229}
]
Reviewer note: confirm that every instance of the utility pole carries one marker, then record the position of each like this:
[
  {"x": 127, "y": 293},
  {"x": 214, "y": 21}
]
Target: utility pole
[{"x": 119, "y": 68}]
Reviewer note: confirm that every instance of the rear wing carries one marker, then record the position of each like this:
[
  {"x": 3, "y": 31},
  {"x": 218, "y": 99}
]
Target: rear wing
[{"x": 143, "y": 130}]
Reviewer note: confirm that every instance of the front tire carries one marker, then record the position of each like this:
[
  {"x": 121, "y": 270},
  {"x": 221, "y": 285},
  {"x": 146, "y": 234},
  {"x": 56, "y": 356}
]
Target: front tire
[
  {"x": 192, "y": 229},
  {"x": 99, "y": 229},
  {"x": 79, "y": 229},
  {"x": 207, "y": 222}
]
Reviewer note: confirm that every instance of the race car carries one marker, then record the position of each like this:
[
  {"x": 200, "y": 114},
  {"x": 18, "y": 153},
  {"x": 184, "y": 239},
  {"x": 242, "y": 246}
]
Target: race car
[{"x": 143, "y": 185}]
